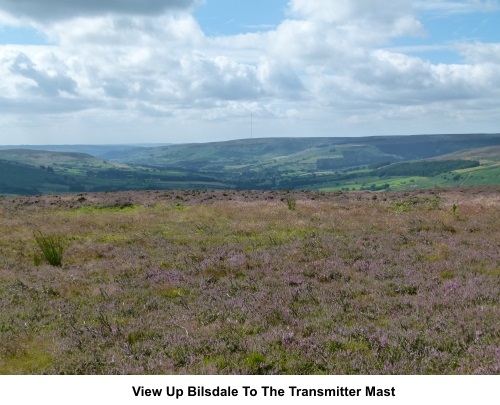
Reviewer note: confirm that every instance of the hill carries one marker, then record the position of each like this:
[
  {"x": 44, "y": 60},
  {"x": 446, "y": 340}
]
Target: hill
[
  {"x": 311, "y": 163},
  {"x": 61, "y": 161},
  {"x": 484, "y": 155},
  {"x": 41, "y": 172},
  {"x": 26, "y": 171},
  {"x": 328, "y": 164},
  {"x": 19, "y": 178},
  {"x": 291, "y": 150},
  {"x": 101, "y": 151}
]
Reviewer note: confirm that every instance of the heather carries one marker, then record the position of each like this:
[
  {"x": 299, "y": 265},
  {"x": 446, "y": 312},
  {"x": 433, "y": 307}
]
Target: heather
[{"x": 226, "y": 282}]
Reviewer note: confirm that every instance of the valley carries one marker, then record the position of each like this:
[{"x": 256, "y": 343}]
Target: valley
[{"x": 325, "y": 164}]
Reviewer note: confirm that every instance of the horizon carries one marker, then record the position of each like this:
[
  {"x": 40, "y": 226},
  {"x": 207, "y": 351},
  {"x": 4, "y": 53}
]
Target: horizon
[
  {"x": 159, "y": 144},
  {"x": 196, "y": 71}
]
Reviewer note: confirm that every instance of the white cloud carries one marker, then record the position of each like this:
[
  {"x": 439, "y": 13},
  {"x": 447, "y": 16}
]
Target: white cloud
[
  {"x": 457, "y": 6},
  {"x": 326, "y": 69},
  {"x": 480, "y": 53},
  {"x": 363, "y": 21},
  {"x": 127, "y": 31},
  {"x": 409, "y": 80}
]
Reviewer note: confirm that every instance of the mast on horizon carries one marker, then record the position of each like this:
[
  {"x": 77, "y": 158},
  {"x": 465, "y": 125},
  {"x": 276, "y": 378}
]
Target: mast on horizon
[{"x": 251, "y": 125}]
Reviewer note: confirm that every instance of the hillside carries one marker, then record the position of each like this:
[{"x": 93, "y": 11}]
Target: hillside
[
  {"x": 314, "y": 163},
  {"x": 327, "y": 164},
  {"x": 29, "y": 171},
  {"x": 19, "y": 178},
  {"x": 100, "y": 151},
  {"x": 293, "y": 150},
  {"x": 484, "y": 155},
  {"x": 73, "y": 162},
  {"x": 42, "y": 172}
]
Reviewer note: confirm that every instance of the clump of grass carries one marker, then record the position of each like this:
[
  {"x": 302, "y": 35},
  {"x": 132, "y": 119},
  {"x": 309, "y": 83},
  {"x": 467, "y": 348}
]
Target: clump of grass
[
  {"x": 447, "y": 275},
  {"x": 291, "y": 202},
  {"x": 52, "y": 247},
  {"x": 256, "y": 363},
  {"x": 455, "y": 212}
]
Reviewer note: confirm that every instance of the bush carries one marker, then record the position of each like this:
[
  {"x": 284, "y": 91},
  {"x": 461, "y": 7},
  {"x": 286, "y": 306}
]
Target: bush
[{"x": 52, "y": 247}]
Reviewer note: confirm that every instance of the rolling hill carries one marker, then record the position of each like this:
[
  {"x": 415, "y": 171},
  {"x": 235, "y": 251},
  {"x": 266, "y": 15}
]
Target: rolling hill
[
  {"x": 291, "y": 150},
  {"x": 25, "y": 171},
  {"x": 327, "y": 164}
]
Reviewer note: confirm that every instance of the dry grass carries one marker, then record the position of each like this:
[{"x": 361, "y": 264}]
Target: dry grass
[{"x": 236, "y": 282}]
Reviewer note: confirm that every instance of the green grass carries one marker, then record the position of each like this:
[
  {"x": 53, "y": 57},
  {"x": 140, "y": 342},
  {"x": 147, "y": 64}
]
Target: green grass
[
  {"x": 52, "y": 247},
  {"x": 31, "y": 358},
  {"x": 114, "y": 208}
]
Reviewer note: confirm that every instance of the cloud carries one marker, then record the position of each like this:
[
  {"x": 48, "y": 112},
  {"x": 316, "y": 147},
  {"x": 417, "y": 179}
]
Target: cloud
[
  {"x": 329, "y": 65},
  {"x": 457, "y": 7},
  {"x": 362, "y": 21},
  {"x": 51, "y": 10},
  {"x": 333, "y": 35},
  {"x": 47, "y": 83},
  {"x": 480, "y": 53},
  {"x": 131, "y": 32},
  {"x": 219, "y": 78},
  {"x": 409, "y": 80}
]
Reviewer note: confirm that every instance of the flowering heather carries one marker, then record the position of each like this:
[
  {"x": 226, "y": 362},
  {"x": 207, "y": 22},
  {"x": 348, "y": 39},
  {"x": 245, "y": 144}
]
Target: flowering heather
[{"x": 226, "y": 282}]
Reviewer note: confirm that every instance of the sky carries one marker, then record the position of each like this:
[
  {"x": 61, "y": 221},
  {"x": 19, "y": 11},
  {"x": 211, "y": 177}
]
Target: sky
[{"x": 170, "y": 71}]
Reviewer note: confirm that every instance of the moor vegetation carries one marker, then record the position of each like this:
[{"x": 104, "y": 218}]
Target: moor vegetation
[{"x": 275, "y": 282}]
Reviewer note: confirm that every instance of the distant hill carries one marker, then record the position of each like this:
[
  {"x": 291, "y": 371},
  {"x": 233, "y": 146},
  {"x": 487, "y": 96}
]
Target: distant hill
[
  {"x": 329, "y": 164},
  {"x": 311, "y": 163},
  {"x": 262, "y": 150},
  {"x": 26, "y": 171},
  {"x": 488, "y": 154},
  {"x": 102, "y": 151},
  {"x": 38, "y": 157}
]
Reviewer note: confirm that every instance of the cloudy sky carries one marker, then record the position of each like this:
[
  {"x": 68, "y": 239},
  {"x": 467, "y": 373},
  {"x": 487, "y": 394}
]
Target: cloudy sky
[{"x": 160, "y": 71}]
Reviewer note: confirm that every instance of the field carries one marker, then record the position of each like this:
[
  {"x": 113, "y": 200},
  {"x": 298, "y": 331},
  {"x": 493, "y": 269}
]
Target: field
[{"x": 252, "y": 282}]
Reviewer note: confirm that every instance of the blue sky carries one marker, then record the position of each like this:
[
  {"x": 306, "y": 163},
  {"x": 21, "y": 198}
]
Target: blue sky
[
  {"x": 21, "y": 36},
  {"x": 194, "y": 71},
  {"x": 223, "y": 17}
]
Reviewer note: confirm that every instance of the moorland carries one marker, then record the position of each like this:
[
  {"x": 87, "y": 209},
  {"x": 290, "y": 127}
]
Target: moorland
[{"x": 251, "y": 282}]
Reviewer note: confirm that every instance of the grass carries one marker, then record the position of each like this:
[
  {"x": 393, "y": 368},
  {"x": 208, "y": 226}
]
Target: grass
[
  {"x": 291, "y": 203},
  {"x": 52, "y": 247},
  {"x": 237, "y": 283}
]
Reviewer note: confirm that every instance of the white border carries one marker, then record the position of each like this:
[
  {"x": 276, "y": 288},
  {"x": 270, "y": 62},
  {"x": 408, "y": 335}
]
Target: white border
[{"x": 94, "y": 390}]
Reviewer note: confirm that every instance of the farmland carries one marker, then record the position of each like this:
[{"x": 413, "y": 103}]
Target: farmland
[{"x": 252, "y": 282}]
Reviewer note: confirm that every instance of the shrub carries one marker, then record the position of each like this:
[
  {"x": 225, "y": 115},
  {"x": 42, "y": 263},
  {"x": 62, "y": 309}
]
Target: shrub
[{"x": 52, "y": 247}]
